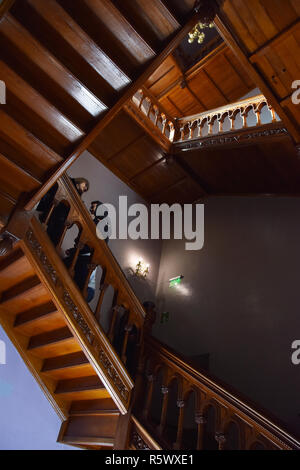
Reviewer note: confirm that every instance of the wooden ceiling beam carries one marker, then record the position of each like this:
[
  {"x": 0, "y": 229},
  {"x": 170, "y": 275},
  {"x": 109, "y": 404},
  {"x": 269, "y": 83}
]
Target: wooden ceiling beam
[{"x": 109, "y": 116}]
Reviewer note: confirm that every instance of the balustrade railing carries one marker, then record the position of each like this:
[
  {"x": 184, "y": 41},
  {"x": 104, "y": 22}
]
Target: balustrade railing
[
  {"x": 187, "y": 409},
  {"x": 244, "y": 114},
  {"x": 154, "y": 112},
  {"x": 118, "y": 336}
]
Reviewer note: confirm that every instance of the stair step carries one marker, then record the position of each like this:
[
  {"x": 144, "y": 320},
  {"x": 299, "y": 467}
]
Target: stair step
[
  {"x": 39, "y": 320},
  {"x": 93, "y": 407},
  {"x": 26, "y": 295},
  {"x": 54, "y": 343},
  {"x": 67, "y": 367},
  {"x": 14, "y": 269},
  {"x": 83, "y": 387},
  {"x": 103, "y": 442}
]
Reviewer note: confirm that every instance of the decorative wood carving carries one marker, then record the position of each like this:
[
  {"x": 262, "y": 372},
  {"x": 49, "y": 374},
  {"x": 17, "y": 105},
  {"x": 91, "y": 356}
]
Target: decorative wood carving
[{"x": 138, "y": 442}]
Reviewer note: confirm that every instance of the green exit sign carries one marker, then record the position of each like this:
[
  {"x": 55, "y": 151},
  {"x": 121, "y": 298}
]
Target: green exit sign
[{"x": 175, "y": 281}]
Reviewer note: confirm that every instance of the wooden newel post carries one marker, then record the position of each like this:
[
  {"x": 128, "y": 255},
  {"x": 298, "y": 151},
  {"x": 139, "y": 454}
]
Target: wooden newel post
[
  {"x": 163, "y": 417},
  {"x": 221, "y": 440},
  {"x": 201, "y": 422},
  {"x": 178, "y": 443}
]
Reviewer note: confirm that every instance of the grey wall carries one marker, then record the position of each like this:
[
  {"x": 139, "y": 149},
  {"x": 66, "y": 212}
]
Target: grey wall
[{"x": 239, "y": 300}]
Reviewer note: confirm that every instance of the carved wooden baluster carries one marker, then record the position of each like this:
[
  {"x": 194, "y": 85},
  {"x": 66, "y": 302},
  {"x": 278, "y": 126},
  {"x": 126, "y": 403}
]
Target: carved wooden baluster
[
  {"x": 244, "y": 115},
  {"x": 177, "y": 445},
  {"x": 149, "y": 393},
  {"x": 103, "y": 287},
  {"x": 257, "y": 111},
  {"x": 232, "y": 119},
  {"x": 142, "y": 99},
  {"x": 148, "y": 108},
  {"x": 53, "y": 205},
  {"x": 115, "y": 310},
  {"x": 164, "y": 123},
  {"x": 172, "y": 131},
  {"x": 67, "y": 226},
  {"x": 199, "y": 128},
  {"x": 156, "y": 113},
  {"x": 79, "y": 247},
  {"x": 221, "y": 119},
  {"x": 91, "y": 269},
  {"x": 128, "y": 329},
  {"x": 164, "y": 410},
  {"x": 201, "y": 422},
  {"x": 210, "y": 123},
  {"x": 190, "y": 127},
  {"x": 182, "y": 131},
  {"x": 273, "y": 113},
  {"x": 221, "y": 440}
]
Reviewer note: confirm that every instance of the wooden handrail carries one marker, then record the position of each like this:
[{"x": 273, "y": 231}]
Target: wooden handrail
[{"x": 253, "y": 425}]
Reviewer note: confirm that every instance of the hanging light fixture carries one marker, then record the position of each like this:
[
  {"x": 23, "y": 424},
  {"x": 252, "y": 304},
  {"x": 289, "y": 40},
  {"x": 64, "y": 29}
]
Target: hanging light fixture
[{"x": 198, "y": 33}]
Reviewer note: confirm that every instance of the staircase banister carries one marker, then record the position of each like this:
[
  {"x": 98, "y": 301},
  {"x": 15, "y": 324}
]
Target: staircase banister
[
  {"x": 255, "y": 100},
  {"x": 103, "y": 251},
  {"x": 245, "y": 407},
  {"x": 78, "y": 315}
]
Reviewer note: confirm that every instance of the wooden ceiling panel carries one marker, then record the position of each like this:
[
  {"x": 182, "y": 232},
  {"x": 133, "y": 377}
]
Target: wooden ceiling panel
[
  {"x": 118, "y": 135},
  {"x": 258, "y": 21},
  {"x": 226, "y": 79},
  {"x": 40, "y": 157},
  {"x": 214, "y": 81},
  {"x": 24, "y": 54},
  {"x": 157, "y": 178},
  {"x": 62, "y": 36},
  {"x": 102, "y": 20},
  {"x": 137, "y": 157},
  {"x": 185, "y": 101},
  {"x": 151, "y": 19}
]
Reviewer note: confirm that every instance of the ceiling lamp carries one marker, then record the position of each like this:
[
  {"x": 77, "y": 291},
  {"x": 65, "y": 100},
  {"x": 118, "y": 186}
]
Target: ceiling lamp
[{"x": 197, "y": 32}]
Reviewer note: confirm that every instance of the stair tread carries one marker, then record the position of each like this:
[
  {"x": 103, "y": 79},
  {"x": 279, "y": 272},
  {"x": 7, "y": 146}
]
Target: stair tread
[
  {"x": 14, "y": 269},
  {"x": 80, "y": 384},
  {"x": 63, "y": 362},
  {"x": 56, "y": 336},
  {"x": 27, "y": 294},
  {"x": 41, "y": 319},
  {"x": 93, "y": 406},
  {"x": 105, "y": 441}
]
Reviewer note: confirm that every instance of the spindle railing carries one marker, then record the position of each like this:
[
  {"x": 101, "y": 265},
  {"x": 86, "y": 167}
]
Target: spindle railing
[
  {"x": 219, "y": 419},
  {"x": 227, "y": 118}
]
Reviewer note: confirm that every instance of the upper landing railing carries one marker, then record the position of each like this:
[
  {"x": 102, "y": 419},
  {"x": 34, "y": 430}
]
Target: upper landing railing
[{"x": 249, "y": 114}]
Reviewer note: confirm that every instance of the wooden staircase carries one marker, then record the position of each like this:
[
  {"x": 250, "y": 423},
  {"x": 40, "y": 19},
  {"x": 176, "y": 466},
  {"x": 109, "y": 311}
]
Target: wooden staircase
[{"x": 43, "y": 338}]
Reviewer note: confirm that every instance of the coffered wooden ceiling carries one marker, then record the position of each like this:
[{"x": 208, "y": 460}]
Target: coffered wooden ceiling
[
  {"x": 214, "y": 81},
  {"x": 70, "y": 67}
]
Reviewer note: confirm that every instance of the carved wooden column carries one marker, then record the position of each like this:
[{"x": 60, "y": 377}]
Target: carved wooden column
[
  {"x": 221, "y": 440},
  {"x": 149, "y": 393},
  {"x": 201, "y": 422},
  {"x": 178, "y": 443},
  {"x": 163, "y": 417}
]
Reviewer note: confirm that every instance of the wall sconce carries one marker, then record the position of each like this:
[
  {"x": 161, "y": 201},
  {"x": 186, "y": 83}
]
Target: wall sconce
[{"x": 141, "y": 269}]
